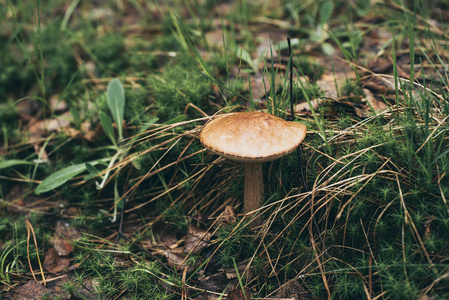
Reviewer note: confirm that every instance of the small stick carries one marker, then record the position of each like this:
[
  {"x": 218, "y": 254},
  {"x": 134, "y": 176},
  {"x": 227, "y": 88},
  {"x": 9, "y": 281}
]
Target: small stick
[{"x": 292, "y": 113}]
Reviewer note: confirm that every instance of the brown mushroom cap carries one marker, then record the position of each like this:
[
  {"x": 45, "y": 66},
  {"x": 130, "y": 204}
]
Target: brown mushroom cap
[{"x": 252, "y": 136}]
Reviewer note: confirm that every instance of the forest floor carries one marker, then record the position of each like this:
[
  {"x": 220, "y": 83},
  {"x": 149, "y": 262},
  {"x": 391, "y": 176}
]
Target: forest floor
[{"x": 107, "y": 193}]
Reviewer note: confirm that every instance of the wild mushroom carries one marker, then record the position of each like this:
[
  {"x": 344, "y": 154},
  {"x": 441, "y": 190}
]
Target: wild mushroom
[{"x": 252, "y": 138}]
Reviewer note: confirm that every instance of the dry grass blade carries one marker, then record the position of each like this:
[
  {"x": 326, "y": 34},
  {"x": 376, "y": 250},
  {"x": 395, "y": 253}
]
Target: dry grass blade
[
  {"x": 366, "y": 179},
  {"x": 168, "y": 190},
  {"x": 440, "y": 123},
  {"x": 30, "y": 230}
]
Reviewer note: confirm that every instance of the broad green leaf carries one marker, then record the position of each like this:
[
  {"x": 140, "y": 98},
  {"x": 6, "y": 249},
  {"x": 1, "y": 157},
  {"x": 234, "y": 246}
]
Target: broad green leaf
[
  {"x": 93, "y": 172},
  {"x": 116, "y": 101},
  {"x": 60, "y": 177},
  {"x": 91, "y": 169},
  {"x": 326, "y": 10},
  {"x": 13, "y": 162},
  {"x": 107, "y": 126}
]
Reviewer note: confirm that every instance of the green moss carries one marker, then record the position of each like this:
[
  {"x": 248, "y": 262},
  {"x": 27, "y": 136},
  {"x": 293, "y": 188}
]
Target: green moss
[{"x": 175, "y": 88}]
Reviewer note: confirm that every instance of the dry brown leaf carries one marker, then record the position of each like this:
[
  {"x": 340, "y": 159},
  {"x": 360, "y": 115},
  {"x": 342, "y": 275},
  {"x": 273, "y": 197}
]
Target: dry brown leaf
[
  {"x": 196, "y": 240},
  {"x": 376, "y": 105},
  {"x": 261, "y": 84},
  {"x": 89, "y": 134},
  {"x": 86, "y": 291},
  {"x": 380, "y": 65},
  {"x": 231, "y": 272},
  {"x": 266, "y": 50},
  {"x": 28, "y": 108},
  {"x": 305, "y": 107},
  {"x": 361, "y": 110},
  {"x": 56, "y": 104},
  {"x": 327, "y": 83},
  {"x": 163, "y": 236},
  {"x": 176, "y": 259},
  {"x": 40, "y": 128},
  {"x": 228, "y": 216},
  {"x": 54, "y": 263},
  {"x": 30, "y": 290},
  {"x": 21, "y": 201},
  {"x": 237, "y": 294},
  {"x": 216, "y": 283},
  {"x": 293, "y": 290},
  {"x": 63, "y": 237},
  {"x": 342, "y": 70},
  {"x": 215, "y": 38},
  {"x": 425, "y": 297}
]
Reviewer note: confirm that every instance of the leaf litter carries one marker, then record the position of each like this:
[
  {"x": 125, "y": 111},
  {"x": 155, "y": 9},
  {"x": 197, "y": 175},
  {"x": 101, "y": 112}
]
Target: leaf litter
[{"x": 177, "y": 246}]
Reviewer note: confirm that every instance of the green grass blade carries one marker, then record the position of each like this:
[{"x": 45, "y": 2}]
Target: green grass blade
[{"x": 13, "y": 162}]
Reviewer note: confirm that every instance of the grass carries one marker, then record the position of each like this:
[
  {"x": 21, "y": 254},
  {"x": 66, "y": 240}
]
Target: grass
[{"x": 374, "y": 222}]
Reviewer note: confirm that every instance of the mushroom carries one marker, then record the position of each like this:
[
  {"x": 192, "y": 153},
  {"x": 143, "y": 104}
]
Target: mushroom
[{"x": 252, "y": 138}]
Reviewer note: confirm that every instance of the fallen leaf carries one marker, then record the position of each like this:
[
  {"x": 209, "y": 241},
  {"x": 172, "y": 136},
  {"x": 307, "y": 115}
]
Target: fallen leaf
[
  {"x": 260, "y": 86},
  {"x": 63, "y": 238},
  {"x": 375, "y": 104},
  {"x": 56, "y": 104},
  {"x": 196, "y": 239},
  {"x": 337, "y": 70},
  {"x": 266, "y": 50},
  {"x": 223, "y": 9},
  {"x": 28, "y": 108},
  {"x": 327, "y": 83},
  {"x": 216, "y": 283},
  {"x": 228, "y": 215},
  {"x": 21, "y": 201},
  {"x": 73, "y": 211},
  {"x": 54, "y": 263},
  {"x": 305, "y": 107},
  {"x": 86, "y": 291},
  {"x": 177, "y": 260},
  {"x": 237, "y": 294},
  {"x": 30, "y": 290},
  {"x": 378, "y": 86},
  {"x": 232, "y": 273},
  {"x": 293, "y": 290},
  {"x": 381, "y": 65},
  {"x": 163, "y": 235},
  {"x": 89, "y": 134},
  {"x": 40, "y": 128},
  {"x": 360, "y": 109},
  {"x": 215, "y": 38}
]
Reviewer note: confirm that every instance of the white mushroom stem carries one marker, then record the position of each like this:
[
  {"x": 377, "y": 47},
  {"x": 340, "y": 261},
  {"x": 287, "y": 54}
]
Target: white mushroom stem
[{"x": 253, "y": 193}]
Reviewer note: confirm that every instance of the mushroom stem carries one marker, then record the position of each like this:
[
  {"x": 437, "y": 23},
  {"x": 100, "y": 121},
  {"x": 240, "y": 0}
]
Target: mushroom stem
[{"x": 253, "y": 193}]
